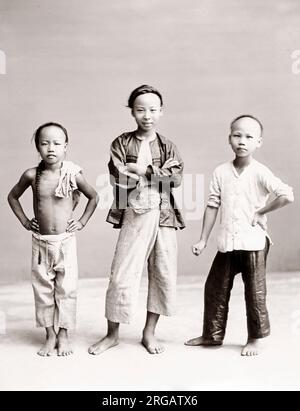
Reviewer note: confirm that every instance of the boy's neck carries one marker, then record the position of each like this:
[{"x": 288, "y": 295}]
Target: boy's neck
[
  {"x": 144, "y": 135},
  {"x": 242, "y": 162},
  {"x": 53, "y": 167}
]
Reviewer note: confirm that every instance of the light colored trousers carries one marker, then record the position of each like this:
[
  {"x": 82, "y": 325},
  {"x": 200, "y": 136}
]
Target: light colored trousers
[
  {"x": 54, "y": 279},
  {"x": 142, "y": 240}
]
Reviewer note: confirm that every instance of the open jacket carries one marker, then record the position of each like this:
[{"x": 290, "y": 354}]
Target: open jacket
[{"x": 125, "y": 149}]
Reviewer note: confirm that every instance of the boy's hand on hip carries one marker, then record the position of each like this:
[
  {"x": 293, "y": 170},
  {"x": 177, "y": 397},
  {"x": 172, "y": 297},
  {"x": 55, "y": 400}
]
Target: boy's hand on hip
[
  {"x": 259, "y": 219},
  {"x": 32, "y": 225},
  {"x": 198, "y": 247},
  {"x": 74, "y": 225}
]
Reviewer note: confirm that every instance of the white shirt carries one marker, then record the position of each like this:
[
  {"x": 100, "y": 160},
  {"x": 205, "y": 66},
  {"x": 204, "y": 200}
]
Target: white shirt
[
  {"x": 145, "y": 197},
  {"x": 239, "y": 197},
  {"x": 145, "y": 156}
]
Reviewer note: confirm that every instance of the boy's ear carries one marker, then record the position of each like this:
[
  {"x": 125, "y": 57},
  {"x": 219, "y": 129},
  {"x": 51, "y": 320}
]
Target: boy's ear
[
  {"x": 229, "y": 139},
  {"x": 259, "y": 143}
]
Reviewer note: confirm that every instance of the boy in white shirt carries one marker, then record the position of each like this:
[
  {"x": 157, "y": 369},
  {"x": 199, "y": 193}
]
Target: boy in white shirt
[{"x": 240, "y": 188}]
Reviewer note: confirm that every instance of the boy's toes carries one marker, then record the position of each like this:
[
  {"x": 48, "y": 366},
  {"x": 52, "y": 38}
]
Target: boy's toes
[
  {"x": 91, "y": 350},
  {"x": 152, "y": 345},
  {"x": 65, "y": 353},
  {"x": 160, "y": 349},
  {"x": 194, "y": 341}
]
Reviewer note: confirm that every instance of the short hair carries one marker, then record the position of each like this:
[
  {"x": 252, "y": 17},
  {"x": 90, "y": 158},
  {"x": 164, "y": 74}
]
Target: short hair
[
  {"x": 144, "y": 89},
  {"x": 247, "y": 116},
  {"x": 37, "y": 133}
]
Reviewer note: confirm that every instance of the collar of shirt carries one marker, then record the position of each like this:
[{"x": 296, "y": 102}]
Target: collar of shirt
[
  {"x": 244, "y": 171},
  {"x": 149, "y": 139}
]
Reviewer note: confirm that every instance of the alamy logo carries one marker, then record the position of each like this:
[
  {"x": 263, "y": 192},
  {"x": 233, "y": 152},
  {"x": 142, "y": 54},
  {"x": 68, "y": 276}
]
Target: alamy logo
[
  {"x": 189, "y": 196},
  {"x": 2, "y": 62}
]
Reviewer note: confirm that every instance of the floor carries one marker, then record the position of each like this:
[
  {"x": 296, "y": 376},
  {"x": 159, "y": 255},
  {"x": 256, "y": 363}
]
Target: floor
[{"x": 130, "y": 367}]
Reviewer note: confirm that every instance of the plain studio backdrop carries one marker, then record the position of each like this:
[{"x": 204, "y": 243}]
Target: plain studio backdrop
[{"x": 75, "y": 62}]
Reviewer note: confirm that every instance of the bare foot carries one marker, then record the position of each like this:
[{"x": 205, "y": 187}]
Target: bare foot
[
  {"x": 63, "y": 344},
  {"x": 201, "y": 341},
  {"x": 48, "y": 348},
  {"x": 100, "y": 346},
  {"x": 253, "y": 347},
  {"x": 151, "y": 344}
]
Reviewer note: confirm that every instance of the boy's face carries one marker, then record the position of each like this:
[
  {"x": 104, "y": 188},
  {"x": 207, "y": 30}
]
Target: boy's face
[
  {"x": 147, "y": 111},
  {"x": 52, "y": 145},
  {"x": 245, "y": 137}
]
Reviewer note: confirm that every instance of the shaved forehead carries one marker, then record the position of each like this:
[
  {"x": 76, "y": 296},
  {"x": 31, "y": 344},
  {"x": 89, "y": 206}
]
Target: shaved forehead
[{"x": 247, "y": 120}]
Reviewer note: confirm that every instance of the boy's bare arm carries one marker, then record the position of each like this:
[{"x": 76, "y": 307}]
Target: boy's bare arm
[
  {"x": 93, "y": 199},
  {"x": 277, "y": 203},
  {"x": 209, "y": 220},
  {"x": 13, "y": 199}
]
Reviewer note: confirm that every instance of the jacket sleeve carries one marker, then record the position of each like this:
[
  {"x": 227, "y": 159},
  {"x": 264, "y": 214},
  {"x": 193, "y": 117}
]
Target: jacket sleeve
[
  {"x": 117, "y": 166},
  {"x": 171, "y": 171}
]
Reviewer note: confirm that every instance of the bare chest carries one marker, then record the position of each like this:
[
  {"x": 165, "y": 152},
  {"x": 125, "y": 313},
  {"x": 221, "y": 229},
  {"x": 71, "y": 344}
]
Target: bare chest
[{"x": 46, "y": 186}]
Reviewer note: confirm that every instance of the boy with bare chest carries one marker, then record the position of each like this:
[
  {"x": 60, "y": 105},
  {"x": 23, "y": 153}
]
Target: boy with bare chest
[{"x": 56, "y": 185}]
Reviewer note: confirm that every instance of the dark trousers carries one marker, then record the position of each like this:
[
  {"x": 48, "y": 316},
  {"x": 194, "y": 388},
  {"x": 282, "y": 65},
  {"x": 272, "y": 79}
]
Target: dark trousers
[{"x": 252, "y": 265}]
